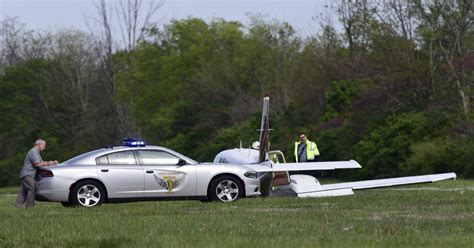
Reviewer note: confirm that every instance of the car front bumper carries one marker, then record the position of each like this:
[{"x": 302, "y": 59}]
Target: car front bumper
[{"x": 252, "y": 187}]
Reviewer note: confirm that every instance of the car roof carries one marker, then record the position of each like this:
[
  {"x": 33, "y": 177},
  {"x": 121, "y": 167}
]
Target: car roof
[{"x": 89, "y": 157}]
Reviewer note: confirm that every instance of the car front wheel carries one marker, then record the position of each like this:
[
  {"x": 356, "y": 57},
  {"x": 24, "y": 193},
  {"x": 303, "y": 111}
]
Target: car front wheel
[
  {"x": 226, "y": 189},
  {"x": 87, "y": 194}
]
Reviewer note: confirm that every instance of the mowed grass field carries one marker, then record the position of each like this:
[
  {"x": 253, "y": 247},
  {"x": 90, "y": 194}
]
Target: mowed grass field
[{"x": 428, "y": 215}]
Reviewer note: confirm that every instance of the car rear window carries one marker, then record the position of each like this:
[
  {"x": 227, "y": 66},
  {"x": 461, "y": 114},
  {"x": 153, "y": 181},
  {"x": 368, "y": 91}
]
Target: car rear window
[
  {"x": 125, "y": 157},
  {"x": 78, "y": 158},
  {"x": 103, "y": 160}
]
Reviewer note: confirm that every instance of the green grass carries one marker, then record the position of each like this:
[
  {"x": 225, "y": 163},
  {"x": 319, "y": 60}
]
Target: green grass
[
  {"x": 8, "y": 190},
  {"x": 371, "y": 218}
]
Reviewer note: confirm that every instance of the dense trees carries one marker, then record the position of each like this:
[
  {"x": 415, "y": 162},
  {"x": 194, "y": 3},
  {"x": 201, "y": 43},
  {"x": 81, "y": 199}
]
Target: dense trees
[{"x": 392, "y": 89}]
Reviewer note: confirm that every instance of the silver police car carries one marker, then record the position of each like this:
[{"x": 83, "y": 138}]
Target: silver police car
[{"x": 136, "y": 171}]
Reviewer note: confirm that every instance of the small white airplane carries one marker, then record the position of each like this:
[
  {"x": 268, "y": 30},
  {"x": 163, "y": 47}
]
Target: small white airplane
[{"x": 275, "y": 179}]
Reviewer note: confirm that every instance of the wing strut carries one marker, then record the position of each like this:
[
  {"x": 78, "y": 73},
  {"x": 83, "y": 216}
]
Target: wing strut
[{"x": 264, "y": 131}]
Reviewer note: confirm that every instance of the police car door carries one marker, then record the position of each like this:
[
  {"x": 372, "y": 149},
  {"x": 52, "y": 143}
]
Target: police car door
[
  {"x": 122, "y": 175},
  {"x": 166, "y": 175}
]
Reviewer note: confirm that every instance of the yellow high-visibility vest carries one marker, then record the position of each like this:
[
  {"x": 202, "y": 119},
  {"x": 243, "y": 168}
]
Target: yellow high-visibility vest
[{"x": 311, "y": 150}]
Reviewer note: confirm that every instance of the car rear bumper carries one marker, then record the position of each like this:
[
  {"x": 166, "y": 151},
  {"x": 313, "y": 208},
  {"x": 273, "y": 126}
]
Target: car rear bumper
[{"x": 53, "y": 189}]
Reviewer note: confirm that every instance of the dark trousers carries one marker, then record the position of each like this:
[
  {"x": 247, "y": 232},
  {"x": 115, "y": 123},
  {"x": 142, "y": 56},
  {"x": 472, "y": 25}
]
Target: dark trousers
[
  {"x": 27, "y": 192},
  {"x": 316, "y": 159}
]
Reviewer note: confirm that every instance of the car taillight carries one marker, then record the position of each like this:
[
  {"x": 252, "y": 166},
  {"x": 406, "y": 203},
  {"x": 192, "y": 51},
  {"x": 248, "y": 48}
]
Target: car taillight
[{"x": 45, "y": 173}]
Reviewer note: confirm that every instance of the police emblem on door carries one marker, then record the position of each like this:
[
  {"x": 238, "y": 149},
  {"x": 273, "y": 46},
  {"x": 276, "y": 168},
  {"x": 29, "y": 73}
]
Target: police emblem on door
[{"x": 169, "y": 180}]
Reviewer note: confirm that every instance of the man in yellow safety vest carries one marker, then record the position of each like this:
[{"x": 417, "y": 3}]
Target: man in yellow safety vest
[{"x": 305, "y": 150}]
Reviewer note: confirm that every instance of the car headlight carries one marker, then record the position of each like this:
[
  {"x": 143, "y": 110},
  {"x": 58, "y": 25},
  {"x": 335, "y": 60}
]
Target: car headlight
[{"x": 251, "y": 174}]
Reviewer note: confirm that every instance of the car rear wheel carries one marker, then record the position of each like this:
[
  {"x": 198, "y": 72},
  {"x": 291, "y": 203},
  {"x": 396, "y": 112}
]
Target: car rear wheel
[
  {"x": 226, "y": 189},
  {"x": 87, "y": 194}
]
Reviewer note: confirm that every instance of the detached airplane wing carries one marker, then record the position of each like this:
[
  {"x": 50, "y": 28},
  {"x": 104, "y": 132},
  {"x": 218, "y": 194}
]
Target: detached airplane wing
[
  {"x": 306, "y": 186},
  {"x": 312, "y": 166}
]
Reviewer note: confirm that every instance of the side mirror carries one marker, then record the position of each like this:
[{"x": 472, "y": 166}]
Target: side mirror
[{"x": 181, "y": 162}]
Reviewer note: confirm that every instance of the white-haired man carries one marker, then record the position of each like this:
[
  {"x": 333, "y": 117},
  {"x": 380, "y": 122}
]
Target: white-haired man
[{"x": 27, "y": 174}]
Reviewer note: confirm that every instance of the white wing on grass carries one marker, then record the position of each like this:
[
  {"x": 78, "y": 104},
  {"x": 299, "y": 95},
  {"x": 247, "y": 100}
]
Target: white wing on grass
[
  {"x": 311, "y": 166},
  {"x": 305, "y": 188}
]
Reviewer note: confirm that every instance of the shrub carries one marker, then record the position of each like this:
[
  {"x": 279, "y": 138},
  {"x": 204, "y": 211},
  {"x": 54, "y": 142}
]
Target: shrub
[{"x": 384, "y": 148}]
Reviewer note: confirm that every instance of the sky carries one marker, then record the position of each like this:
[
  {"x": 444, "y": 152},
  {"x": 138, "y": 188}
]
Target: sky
[{"x": 58, "y": 14}]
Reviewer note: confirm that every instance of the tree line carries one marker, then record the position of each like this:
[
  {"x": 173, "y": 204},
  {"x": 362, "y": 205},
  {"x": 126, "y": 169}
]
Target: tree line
[{"x": 391, "y": 88}]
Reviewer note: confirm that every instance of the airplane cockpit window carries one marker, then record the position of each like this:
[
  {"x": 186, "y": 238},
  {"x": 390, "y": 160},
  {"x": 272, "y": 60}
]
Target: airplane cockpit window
[{"x": 276, "y": 156}]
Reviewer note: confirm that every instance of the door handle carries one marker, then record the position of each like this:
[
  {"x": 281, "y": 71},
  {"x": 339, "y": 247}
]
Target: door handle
[
  {"x": 149, "y": 172},
  {"x": 104, "y": 170}
]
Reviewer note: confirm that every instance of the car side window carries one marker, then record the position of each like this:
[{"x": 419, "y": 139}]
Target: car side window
[
  {"x": 103, "y": 160},
  {"x": 125, "y": 157},
  {"x": 223, "y": 160},
  {"x": 155, "y": 157}
]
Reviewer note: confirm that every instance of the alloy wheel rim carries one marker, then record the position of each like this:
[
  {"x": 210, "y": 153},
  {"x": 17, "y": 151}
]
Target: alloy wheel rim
[
  {"x": 227, "y": 191},
  {"x": 88, "y": 195}
]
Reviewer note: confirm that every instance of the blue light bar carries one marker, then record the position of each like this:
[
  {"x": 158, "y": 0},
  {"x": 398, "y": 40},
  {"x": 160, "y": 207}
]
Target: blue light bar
[{"x": 133, "y": 142}]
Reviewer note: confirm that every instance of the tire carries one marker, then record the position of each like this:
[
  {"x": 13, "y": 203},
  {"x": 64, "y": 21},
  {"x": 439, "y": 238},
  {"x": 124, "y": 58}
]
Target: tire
[
  {"x": 226, "y": 189},
  {"x": 87, "y": 194},
  {"x": 66, "y": 204}
]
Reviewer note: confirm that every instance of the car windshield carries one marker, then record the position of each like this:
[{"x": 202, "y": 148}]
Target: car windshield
[{"x": 78, "y": 157}]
